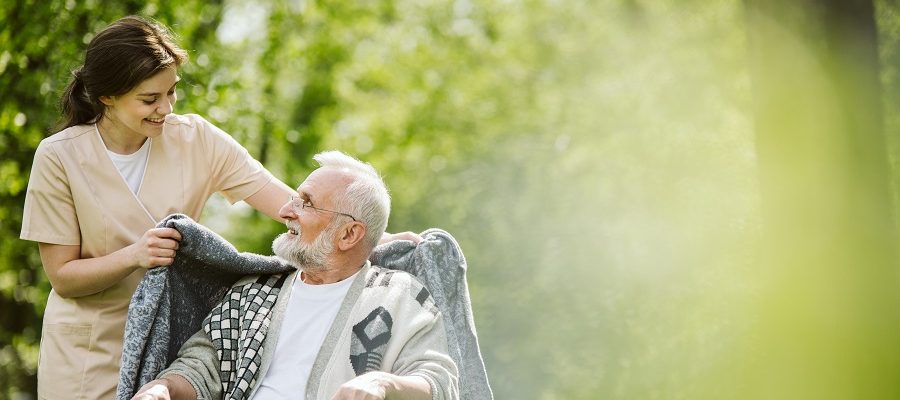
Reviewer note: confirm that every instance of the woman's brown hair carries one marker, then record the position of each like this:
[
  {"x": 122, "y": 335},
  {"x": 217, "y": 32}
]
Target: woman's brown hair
[{"x": 119, "y": 58}]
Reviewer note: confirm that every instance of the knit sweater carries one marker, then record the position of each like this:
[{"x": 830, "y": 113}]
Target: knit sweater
[
  {"x": 387, "y": 322},
  {"x": 171, "y": 302}
]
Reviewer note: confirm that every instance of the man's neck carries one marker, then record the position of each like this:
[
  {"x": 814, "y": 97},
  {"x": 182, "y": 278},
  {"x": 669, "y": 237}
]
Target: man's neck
[{"x": 332, "y": 273}]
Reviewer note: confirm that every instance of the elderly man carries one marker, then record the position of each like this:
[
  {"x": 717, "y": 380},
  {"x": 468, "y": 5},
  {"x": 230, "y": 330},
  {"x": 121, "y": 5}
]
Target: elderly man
[{"x": 337, "y": 328}]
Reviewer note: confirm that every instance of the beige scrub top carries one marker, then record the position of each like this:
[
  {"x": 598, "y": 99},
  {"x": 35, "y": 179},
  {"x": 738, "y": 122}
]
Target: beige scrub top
[{"x": 76, "y": 196}]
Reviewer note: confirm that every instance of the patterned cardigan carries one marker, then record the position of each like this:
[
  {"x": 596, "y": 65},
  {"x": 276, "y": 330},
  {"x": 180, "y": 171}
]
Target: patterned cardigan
[
  {"x": 387, "y": 322},
  {"x": 170, "y": 303}
]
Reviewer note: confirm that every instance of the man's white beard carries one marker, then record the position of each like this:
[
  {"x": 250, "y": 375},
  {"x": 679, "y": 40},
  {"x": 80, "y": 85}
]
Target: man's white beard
[{"x": 308, "y": 257}]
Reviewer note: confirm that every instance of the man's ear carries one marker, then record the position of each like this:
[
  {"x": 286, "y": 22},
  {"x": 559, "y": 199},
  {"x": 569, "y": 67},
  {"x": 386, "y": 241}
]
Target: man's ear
[
  {"x": 106, "y": 100},
  {"x": 351, "y": 235}
]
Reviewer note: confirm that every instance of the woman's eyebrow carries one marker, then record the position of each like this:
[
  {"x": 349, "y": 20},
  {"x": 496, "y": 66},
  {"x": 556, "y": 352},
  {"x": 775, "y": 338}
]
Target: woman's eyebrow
[{"x": 157, "y": 93}]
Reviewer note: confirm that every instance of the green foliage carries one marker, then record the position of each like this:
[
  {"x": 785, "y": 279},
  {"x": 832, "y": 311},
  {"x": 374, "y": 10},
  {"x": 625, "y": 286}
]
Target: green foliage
[
  {"x": 596, "y": 160},
  {"x": 36, "y": 58}
]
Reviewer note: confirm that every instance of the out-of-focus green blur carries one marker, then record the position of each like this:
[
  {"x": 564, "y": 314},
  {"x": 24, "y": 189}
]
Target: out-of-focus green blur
[{"x": 666, "y": 199}]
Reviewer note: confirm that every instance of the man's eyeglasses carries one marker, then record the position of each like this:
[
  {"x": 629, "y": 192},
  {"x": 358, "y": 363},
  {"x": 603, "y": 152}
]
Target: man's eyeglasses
[{"x": 297, "y": 203}]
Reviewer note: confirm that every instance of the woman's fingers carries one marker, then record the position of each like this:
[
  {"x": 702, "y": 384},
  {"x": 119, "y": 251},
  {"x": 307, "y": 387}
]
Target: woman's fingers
[
  {"x": 164, "y": 238},
  {"x": 168, "y": 233}
]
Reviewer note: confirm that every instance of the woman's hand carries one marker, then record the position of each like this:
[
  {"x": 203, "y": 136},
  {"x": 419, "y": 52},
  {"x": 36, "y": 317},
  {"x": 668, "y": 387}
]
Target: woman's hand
[
  {"x": 390, "y": 237},
  {"x": 72, "y": 276},
  {"x": 155, "y": 248}
]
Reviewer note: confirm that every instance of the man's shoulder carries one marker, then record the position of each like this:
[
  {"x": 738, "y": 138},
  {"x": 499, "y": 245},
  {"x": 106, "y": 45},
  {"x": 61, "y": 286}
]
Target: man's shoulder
[
  {"x": 274, "y": 280},
  {"x": 378, "y": 276},
  {"x": 398, "y": 288}
]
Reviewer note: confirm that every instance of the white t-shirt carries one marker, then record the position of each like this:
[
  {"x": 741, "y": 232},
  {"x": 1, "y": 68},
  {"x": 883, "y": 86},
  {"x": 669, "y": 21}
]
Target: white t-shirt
[
  {"x": 132, "y": 166},
  {"x": 310, "y": 312}
]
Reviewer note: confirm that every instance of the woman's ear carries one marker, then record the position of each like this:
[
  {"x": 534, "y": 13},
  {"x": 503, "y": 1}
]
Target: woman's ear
[
  {"x": 351, "y": 235},
  {"x": 106, "y": 100}
]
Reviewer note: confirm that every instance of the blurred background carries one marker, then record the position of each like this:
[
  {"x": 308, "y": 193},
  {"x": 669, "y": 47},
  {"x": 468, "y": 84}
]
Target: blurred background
[{"x": 658, "y": 199}]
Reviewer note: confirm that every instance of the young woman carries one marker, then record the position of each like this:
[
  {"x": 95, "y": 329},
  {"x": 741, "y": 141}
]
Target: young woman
[{"x": 122, "y": 162}]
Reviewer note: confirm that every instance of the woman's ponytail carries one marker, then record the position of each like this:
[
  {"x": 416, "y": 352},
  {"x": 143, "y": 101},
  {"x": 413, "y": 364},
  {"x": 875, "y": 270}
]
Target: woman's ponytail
[{"x": 76, "y": 105}]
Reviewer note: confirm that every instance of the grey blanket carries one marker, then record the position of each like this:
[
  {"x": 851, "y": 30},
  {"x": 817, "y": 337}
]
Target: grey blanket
[{"x": 170, "y": 303}]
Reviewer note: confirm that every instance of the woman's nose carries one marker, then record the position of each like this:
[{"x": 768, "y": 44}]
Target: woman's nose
[{"x": 166, "y": 107}]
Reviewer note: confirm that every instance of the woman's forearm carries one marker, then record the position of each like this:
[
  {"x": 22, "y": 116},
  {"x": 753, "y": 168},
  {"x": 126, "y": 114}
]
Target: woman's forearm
[{"x": 72, "y": 276}]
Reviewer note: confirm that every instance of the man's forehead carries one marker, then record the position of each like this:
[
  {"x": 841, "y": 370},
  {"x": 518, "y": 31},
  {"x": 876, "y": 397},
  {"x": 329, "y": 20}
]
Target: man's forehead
[{"x": 323, "y": 181}]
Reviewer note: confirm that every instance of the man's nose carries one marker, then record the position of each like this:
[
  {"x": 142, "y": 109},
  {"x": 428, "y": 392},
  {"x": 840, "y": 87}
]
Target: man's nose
[{"x": 287, "y": 211}]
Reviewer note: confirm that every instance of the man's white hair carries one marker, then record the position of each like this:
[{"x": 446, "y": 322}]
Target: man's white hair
[{"x": 366, "y": 199}]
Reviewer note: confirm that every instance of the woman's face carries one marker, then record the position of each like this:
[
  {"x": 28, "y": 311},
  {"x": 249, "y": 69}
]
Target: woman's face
[{"x": 143, "y": 110}]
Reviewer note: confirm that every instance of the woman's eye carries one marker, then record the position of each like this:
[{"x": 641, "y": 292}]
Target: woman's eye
[{"x": 149, "y": 102}]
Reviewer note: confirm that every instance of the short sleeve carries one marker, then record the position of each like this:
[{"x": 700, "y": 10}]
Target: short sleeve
[
  {"x": 49, "y": 215},
  {"x": 235, "y": 173}
]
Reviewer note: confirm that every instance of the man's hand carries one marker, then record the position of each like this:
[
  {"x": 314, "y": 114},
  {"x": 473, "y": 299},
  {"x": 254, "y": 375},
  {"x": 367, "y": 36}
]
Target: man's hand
[
  {"x": 368, "y": 386},
  {"x": 153, "y": 390},
  {"x": 171, "y": 386},
  {"x": 378, "y": 385}
]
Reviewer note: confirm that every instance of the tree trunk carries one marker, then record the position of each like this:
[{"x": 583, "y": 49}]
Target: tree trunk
[{"x": 828, "y": 309}]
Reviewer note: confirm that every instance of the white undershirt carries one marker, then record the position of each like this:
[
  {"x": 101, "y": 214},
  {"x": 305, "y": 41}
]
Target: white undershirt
[
  {"x": 310, "y": 312},
  {"x": 132, "y": 166}
]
